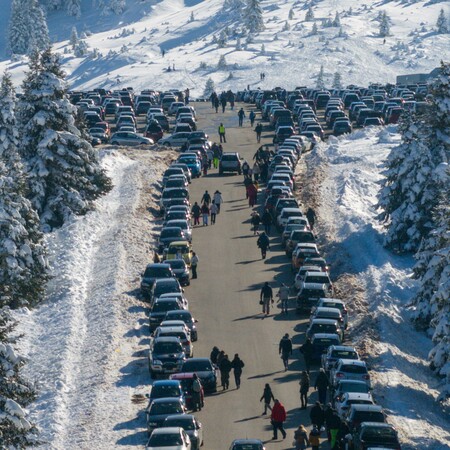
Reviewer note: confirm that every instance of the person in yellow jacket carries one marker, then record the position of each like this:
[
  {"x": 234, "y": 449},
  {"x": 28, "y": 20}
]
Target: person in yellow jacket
[
  {"x": 221, "y": 131},
  {"x": 314, "y": 438}
]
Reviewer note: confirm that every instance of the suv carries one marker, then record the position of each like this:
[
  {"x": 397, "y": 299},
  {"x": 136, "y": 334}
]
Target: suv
[
  {"x": 359, "y": 414},
  {"x": 166, "y": 356},
  {"x": 309, "y": 295},
  {"x": 230, "y": 162},
  {"x": 373, "y": 435},
  {"x": 152, "y": 272}
]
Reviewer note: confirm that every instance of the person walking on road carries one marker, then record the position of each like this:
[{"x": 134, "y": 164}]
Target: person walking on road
[
  {"x": 304, "y": 388},
  {"x": 283, "y": 296},
  {"x": 237, "y": 364},
  {"x": 266, "y": 297},
  {"x": 267, "y": 397},
  {"x": 285, "y": 350},
  {"x": 223, "y": 102},
  {"x": 206, "y": 198},
  {"x": 321, "y": 386},
  {"x": 264, "y": 244},
  {"x": 301, "y": 438},
  {"x": 216, "y": 155},
  {"x": 335, "y": 425},
  {"x": 252, "y": 117},
  {"x": 218, "y": 200},
  {"x": 306, "y": 350},
  {"x": 255, "y": 221},
  {"x": 328, "y": 413},
  {"x": 256, "y": 171},
  {"x": 245, "y": 169},
  {"x": 317, "y": 415},
  {"x": 213, "y": 210},
  {"x": 311, "y": 216},
  {"x": 205, "y": 214},
  {"x": 258, "y": 131},
  {"x": 278, "y": 417},
  {"x": 241, "y": 115},
  {"x": 194, "y": 263},
  {"x": 196, "y": 393},
  {"x": 216, "y": 104},
  {"x": 214, "y": 354},
  {"x": 196, "y": 211},
  {"x": 221, "y": 131},
  {"x": 314, "y": 438},
  {"x": 225, "y": 369},
  {"x": 252, "y": 192},
  {"x": 266, "y": 220},
  {"x": 220, "y": 356}
]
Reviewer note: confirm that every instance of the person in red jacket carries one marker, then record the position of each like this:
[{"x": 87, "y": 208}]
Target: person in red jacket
[{"x": 278, "y": 417}]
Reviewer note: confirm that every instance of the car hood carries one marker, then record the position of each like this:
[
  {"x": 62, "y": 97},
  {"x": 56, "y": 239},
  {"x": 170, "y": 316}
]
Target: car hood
[{"x": 168, "y": 356}]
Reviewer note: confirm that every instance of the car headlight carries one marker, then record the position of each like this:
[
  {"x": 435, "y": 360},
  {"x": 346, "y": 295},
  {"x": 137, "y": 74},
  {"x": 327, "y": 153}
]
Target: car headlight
[
  {"x": 152, "y": 424},
  {"x": 156, "y": 362}
]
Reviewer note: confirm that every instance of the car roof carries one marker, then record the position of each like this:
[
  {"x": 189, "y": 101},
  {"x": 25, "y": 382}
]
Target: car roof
[
  {"x": 323, "y": 322},
  {"x": 167, "y": 339},
  {"x": 168, "y": 329},
  {"x": 324, "y": 309},
  {"x": 166, "y": 300},
  {"x": 186, "y": 417},
  {"x": 377, "y": 424},
  {"x": 334, "y": 300},
  {"x": 164, "y": 430},
  {"x": 182, "y": 375},
  {"x": 165, "y": 383},
  {"x": 358, "y": 396},
  {"x": 158, "y": 266},
  {"x": 346, "y": 348},
  {"x": 360, "y": 382},
  {"x": 166, "y": 281},
  {"x": 179, "y": 243},
  {"x": 353, "y": 362},
  {"x": 325, "y": 336},
  {"x": 247, "y": 441},
  {"x": 306, "y": 269},
  {"x": 290, "y": 209},
  {"x": 374, "y": 408},
  {"x": 320, "y": 273},
  {"x": 318, "y": 286}
]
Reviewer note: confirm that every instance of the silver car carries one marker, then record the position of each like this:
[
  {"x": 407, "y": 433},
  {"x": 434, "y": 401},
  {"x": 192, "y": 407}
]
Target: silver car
[{"x": 129, "y": 139}]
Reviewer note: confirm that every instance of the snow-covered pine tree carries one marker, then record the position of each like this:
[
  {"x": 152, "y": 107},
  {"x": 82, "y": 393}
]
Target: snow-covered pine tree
[
  {"x": 74, "y": 8},
  {"x": 337, "y": 81},
  {"x": 222, "y": 64},
  {"x": 238, "y": 44},
  {"x": 81, "y": 49},
  {"x": 223, "y": 39},
  {"x": 74, "y": 40},
  {"x": 385, "y": 25},
  {"x": 315, "y": 29},
  {"x": 263, "y": 49},
  {"x": 117, "y": 6},
  {"x": 320, "y": 83},
  {"x": 23, "y": 264},
  {"x": 18, "y": 32},
  {"x": 291, "y": 14},
  {"x": 209, "y": 88},
  {"x": 309, "y": 14},
  {"x": 63, "y": 171},
  {"x": 53, "y": 4},
  {"x": 337, "y": 20},
  {"x": 37, "y": 23},
  {"x": 442, "y": 23},
  {"x": 286, "y": 26},
  {"x": 253, "y": 16}
]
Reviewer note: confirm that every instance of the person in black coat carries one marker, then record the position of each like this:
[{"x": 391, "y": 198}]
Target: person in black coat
[
  {"x": 214, "y": 354},
  {"x": 322, "y": 386},
  {"x": 225, "y": 369},
  {"x": 317, "y": 415},
  {"x": 285, "y": 350},
  {"x": 311, "y": 216},
  {"x": 266, "y": 220},
  {"x": 237, "y": 364},
  {"x": 267, "y": 397},
  {"x": 306, "y": 350}
]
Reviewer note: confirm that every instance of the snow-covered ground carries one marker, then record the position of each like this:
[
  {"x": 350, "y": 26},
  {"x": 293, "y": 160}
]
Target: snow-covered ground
[
  {"x": 130, "y": 45},
  {"x": 92, "y": 318},
  {"x": 350, "y": 171}
]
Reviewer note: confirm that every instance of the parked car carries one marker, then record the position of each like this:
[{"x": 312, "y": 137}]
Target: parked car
[
  {"x": 166, "y": 389},
  {"x": 230, "y": 162},
  {"x": 321, "y": 312},
  {"x": 335, "y": 303},
  {"x": 321, "y": 342},
  {"x": 344, "y": 386},
  {"x": 309, "y": 295},
  {"x": 166, "y": 356},
  {"x": 187, "y": 318},
  {"x": 176, "y": 331},
  {"x": 177, "y": 249},
  {"x": 349, "y": 369},
  {"x": 351, "y": 398},
  {"x": 169, "y": 438},
  {"x": 247, "y": 444},
  {"x": 373, "y": 435},
  {"x": 186, "y": 379},
  {"x": 164, "y": 286},
  {"x": 181, "y": 270},
  {"x": 129, "y": 139},
  {"x": 359, "y": 414},
  {"x": 159, "y": 309},
  {"x": 336, "y": 352},
  {"x": 169, "y": 235},
  {"x": 205, "y": 370},
  {"x": 175, "y": 140},
  {"x": 152, "y": 272},
  {"x": 190, "y": 425},
  {"x": 324, "y": 326},
  {"x": 171, "y": 194}
]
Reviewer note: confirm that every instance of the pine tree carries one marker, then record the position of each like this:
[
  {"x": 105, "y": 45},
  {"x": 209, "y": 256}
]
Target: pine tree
[
  {"x": 191, "y": 17},
  {"x": 286, "y": 26},
  {"x": 309, "y": 14},
  {"x": 222, "y": 64},
  {"x": 23, "y": 263},
  {"x": 320, "y": 83},
  {"x": 53, "y": 4},
  {"x": 64, "y": 175},
  {"x": 81, "y": 49},
  {"x": 74, "y": 8},
  {"x": 314, "y": 29},
  {"x": 223, "y": 39},
  {"x": 442, "y": 23},
  {"x": 385, "y": 26},
  {"x": 291, "y": 14},
  {"x": 37, "y": 22},
  {"x": 238, "y": 44},
  {"x": 18, "y": 32},
  {"x": 117, "y": 6},
  {"x": 209, "y": 88},
  {"x": 263, "y": 49},
  {"x": 337, "y": 81},
  {"x": 253, "y": 16},
  {"x": 337, "y": 20},
  {"x": 74, "y": 38}
]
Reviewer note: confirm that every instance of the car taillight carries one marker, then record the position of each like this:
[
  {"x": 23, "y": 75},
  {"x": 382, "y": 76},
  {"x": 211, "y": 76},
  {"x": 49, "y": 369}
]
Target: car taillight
[{"x": 339, "y": 375}]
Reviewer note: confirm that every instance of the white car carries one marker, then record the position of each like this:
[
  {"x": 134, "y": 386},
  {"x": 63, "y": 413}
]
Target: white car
[
  {"x": 173, "y": 108},
  {"x": 169, "y": 438},
  {"x": 286, "y": 213},
  {"x": 300, "y": 277},
  {"x": 352, "y": 398},
  {"x": 175, "y": 140},
  {"x": 190, "y": 424},
  {"x": 349, "y": 369},
  {"x": 179, "y": 332},
  {"x": 129, "y": 138}
]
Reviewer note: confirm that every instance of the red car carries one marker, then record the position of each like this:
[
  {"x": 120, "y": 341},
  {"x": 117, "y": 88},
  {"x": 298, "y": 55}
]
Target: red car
[
  {"x": 186, "y": 379},
  {"x": 154, "y": 131}
]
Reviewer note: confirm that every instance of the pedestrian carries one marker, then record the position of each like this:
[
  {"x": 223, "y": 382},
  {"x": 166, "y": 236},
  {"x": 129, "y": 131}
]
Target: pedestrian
[
  {"x": 252, "y": 117},
  {"x": 341, "y": 439},
  {"x": 265, "y": 298},
  {"x": 285, "y": 350},
  {"x": 221, "y": 130},
  {"x": 225, "y": 369},
  {"x": 223, "y": 102},
  {"x": 266, "y": 220},
  {"x": 187, "y": 93},
  {"x": 214, "y": 354},
  {"x": 311, "y": 216},
  {"x": 267, "y": 397},
  {"x": 216, "y": 104},
  {"x": 220, "y": 356},
  {"x": 196, "y": 393},
  {"x": 321, "y": 386},
  {"x": 245, "y": 169},
  {"x": 210, "y": 157},
  {"x": 212, "y": 98},
  {"x": 328, "y": 413},
  {"x": 258, "y": 131},
  {"x": 196, "y": 211},
  {"x": 241, "y": 115},
  {"x": 335, "y": 425},
  {"x": 237, "y": 364},
  {"x": 301, "y": 438},
  {"x": 278, "y": 417},
  {"x": 283, "y": 296},
  {"x": 306, "y": 349},
  {"x": 252, "y": 192},
  {"x": 218, "y": 200},
  {"x": 314, "y": 438},
  {"x": 205, "y": 167},
  {"x": 194, "y": 263},
  {"x": 317, "y": 415},
  {"x": 247, "y": 183},
  {"x": 304, "y": 389},
  {"x": 156, "y": 258},
  {"x": 255, "y": 221},
  {"x": 216, "y": 155},
  {"x": 205, "y": 214},
  {"x": 264, "y": 244},
  {"x": 231, "y": 99},
  {"x": 206, "y": 198},
  {"x": 256, "y": 171},
  {"x": 213, "y": 212}
]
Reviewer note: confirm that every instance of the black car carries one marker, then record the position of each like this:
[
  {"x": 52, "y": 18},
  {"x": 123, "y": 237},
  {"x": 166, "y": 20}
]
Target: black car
[
  {"x": 164, "y": 286},
  {"x": 168, "y": 235},
  {"x": 373, "y": 435},
  {"x": 205, "y": 370},
  {"x": 159, "y": 310},
  {"x": 152, "y": 272},
  {"x": 160, "y": 409},
  {"x": 187, "y": 318},
  {"x": 364, "y": 413},
  {"x": 166, "y": 356},
  {"x": 181, "y": 271}
]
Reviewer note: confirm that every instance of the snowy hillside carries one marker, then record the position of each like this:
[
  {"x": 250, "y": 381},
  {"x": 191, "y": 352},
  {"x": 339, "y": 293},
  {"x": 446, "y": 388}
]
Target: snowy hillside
[{"x": 128, "y": 46}]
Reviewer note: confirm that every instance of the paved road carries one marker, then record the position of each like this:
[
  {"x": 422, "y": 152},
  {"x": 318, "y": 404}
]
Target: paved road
[{"x": 225, "y": 299}]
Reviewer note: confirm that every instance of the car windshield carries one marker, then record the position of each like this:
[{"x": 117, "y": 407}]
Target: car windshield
[
  {"x": 165, "y": 391},
  {"x": 189, "y": 160},
  {"x": 157, "y": 272},
  {"x": 165, "y": 306},
  {"x": 323, "y": 328},
  {"x": 229, "y": 158},
  {"x": 167, "y": 347},
  {"x": 197, "y": 366},
  {"x": 165, "y": 408},
  {"x": 166, "y": 288},
  {"x": 334, "y": 305},
  {"x": 176, "y": 215},
  {"x": 353, "y": 369},
  {"x": 181, "y": 248},
  {"x": 179, "y": 422},
  {"x": 184, "y": 316},
  {"x": 369, "y": 416},
  {"x": 317, "y": 279},
  {"x": 165, "y": 440},
  {"x": 170, "y": 232},
  {"x": 177, "y": 263},
  {"x": 178, "y": 334},
  {"x": 324, "y": 341}
]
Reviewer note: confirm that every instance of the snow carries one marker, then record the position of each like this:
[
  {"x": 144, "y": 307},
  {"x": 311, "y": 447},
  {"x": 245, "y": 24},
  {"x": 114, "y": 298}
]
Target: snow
[
  {"x": 403, "y": 382},
  {"x": 96, "y": 260}
]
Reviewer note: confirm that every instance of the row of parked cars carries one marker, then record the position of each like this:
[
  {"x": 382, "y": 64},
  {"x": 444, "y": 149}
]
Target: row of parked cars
[{"x": 349, "y": 377}]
